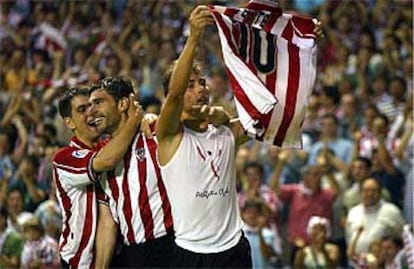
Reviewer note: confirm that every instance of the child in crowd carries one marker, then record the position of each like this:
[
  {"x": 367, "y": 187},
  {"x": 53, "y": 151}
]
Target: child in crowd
[{"x": 40, "y": 250}]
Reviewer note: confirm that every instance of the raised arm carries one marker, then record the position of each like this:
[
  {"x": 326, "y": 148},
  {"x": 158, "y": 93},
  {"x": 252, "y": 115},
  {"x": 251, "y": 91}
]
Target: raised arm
[{"x": 168, "y": 125}]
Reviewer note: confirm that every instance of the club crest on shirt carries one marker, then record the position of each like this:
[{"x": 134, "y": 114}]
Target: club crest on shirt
[
  {"x": 140, "y": 153},
  {"x": 80, "y": 153}
]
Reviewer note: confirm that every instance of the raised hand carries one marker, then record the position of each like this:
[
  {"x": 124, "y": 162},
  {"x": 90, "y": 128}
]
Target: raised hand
[
  {"x": 146, "y": 123},
  {"x": 318, "y": 30},
  {"x": 215, "y": 115},
  {"x": 199, "y": 18},
  {"x": 135, "y": 111}
]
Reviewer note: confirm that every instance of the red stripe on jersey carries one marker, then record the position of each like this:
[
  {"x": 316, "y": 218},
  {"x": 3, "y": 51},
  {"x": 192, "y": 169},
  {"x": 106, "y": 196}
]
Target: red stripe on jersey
[
  {"x": 200, "y": 153},
  {"x": 127, "y": 209},
  {"x": 66, "y": 209},
  {"x": 230, "y": 11},
  {"x": 292, "y": 88},
  {"x": 166, "y": 206},
  {"x": 87, "y": 228},
  {"x": 302, "y": 26},
  {"x": 112, "y": 185},
  {"x": 271, "y": 21},
  {"x": 241, "y": 96},
  {"x": 144, "y": 207}
]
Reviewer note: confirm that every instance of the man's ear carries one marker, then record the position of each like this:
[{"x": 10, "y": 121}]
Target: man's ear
[
  {"x": 123, "y": 104},
  {"x": 68, "y": 121}
]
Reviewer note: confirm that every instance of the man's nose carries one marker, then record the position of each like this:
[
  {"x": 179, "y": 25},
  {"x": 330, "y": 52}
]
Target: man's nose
[
  {"x": 91, "y": 109},
  {"x": 204, "y": 89}
]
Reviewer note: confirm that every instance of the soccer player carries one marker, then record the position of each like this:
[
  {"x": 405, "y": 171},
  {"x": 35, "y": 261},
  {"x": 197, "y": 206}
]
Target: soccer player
[
  {"x": 198, "y": 167},
  {"x": 137, "y": 197},
  {"x": 76, "y": 169}
]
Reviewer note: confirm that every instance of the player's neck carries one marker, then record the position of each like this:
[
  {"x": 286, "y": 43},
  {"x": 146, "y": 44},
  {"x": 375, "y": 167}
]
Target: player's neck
[
  {"x": 119, "y": 126},
  {"x": 196, "y": 125},
  {"x": 87, "y": 141}
]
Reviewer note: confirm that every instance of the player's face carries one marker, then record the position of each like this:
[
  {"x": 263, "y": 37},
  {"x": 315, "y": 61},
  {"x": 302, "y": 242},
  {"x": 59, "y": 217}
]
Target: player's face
[
  {"x": 78, "y": 121},
  {"x": 197, "y": 92},
  {"x": 104, "y": 112}
]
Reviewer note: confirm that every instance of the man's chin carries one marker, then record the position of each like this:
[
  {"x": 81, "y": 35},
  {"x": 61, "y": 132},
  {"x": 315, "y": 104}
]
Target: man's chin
[{"x": 95, "y": 130}]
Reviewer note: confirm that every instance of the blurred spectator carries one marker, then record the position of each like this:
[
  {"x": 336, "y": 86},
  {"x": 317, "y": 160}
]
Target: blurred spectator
[
  {"x": 305, "y": 200},
  {"x": 311, "y": 123},
  {"x": 15, "y": 209},
  {"x": 262, "y": 240},
  {"x": 39, "y": 250},
  {"x": 329, "y": 137},
  {"x": 393, "y": 253},
  {"x": 258, "y": 190},
  {"x": 349, "y": 116},
  {"x": 50, "y": 216},
  {"x": 242, "y": 157},
  {"x": 318, "y": 252},
  {"x": 404, "y": 157},
  {"x": 372, "y": 259},
  {"x": 25, "y": 180},
  {"x": 378, "y": 218},
  {"x": 360, "y": 169},
  {"x": 11, "y": 243}
]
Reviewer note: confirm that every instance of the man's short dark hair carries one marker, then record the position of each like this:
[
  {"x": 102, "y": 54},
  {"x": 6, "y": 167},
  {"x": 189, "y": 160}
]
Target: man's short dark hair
[
  {"x": 65, "y": 101},
  {"x": 365, "y": 160},
  {"x": 117, "y": 87},
  {"x": 254, "y": 165},
  {"x": 331, "y": 116}
]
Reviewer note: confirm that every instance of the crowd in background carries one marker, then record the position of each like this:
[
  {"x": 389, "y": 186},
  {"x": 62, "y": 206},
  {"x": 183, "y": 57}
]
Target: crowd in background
[{"x": 358, "y": 126}]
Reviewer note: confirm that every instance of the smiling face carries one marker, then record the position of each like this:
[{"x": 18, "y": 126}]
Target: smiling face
[
  {"x": 104, "y": 112},
  {"x": 77, "y": 122}
]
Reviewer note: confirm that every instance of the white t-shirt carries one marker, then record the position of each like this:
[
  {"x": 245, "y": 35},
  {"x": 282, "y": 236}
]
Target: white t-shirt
[{"x": 200, "y": 182}]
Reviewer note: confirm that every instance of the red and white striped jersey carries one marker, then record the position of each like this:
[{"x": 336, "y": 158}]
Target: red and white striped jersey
[
  {"x": 270, "y": 57},
  {"x": 72, "y": 172},
  {"x": 137, "y": 196}
]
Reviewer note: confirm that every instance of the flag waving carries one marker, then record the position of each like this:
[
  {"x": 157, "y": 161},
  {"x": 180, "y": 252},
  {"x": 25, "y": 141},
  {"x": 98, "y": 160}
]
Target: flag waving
[{"x": 270, "y": 58}]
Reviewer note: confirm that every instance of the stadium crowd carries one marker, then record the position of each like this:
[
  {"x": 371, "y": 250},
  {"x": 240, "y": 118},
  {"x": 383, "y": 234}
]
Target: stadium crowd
[{"x": 342, "y": 200}]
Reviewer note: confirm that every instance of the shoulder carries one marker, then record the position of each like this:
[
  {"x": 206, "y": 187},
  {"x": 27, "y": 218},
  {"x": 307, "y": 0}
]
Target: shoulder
[
  {"x": 62, "y": 153},
  {"x": 14, "y": 236},
  {"x": 356, "y": 210},
  {"x": 344, "y": 142},
  {"x": 70, "y": 153},
  {"x": 390, "y": 208},
  {"x": 331, "y": 247}
]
